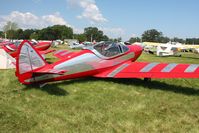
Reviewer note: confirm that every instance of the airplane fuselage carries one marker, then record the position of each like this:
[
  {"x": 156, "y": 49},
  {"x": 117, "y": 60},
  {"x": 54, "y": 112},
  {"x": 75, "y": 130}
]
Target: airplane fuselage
[{"x": 85, "y": 63}]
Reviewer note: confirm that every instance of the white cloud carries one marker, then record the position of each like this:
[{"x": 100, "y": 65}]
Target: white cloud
[
  {"x": 78, "y": 30},
  {"x": 29, "y": 20},
  {"x": 54, "y": 19},
  {"x": 110, "y": 32},
  {"x": 90, "y": 10},
  {"x": 113, "y": 32}
]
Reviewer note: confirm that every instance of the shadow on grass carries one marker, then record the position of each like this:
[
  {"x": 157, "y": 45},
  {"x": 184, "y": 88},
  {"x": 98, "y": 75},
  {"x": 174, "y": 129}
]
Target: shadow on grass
[
  {"x": 189, "y": 57},
  {"x": 182, "y": 56},
  {"x": 51, "y": 89},
  {"x": 155, "y": 85}
]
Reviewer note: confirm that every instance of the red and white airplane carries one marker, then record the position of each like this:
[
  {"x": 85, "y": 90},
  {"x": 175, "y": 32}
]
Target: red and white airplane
[
  {"x": 103, "y": 60},
  {"x": 12, "y": 48}
]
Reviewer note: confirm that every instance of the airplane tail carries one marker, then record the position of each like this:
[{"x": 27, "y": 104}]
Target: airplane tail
[{"x": 28, "y": 60}]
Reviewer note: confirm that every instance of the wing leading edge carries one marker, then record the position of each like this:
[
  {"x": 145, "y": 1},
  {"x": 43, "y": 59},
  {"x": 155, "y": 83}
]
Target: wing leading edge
[{"x": 152, "y": 70}]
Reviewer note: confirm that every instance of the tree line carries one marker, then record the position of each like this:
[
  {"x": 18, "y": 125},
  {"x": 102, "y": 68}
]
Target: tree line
[
  {"x": 12, "y": 31},
  {"x": 90, "y": 34},
  {"x": 153, "y": 35}
]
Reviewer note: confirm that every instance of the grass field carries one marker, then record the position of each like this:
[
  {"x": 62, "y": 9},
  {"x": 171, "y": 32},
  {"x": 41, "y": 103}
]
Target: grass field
[{"x": 102, "y": 105}]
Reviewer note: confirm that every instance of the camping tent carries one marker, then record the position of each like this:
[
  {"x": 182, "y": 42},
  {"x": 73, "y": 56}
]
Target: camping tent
[{"x": 6, "y": 61}]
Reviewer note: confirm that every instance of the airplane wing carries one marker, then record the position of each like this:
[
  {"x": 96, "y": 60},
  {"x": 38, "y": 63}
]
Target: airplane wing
[
  {"x": 152, "y": 70},
  {"x": 62, "y": 53}
]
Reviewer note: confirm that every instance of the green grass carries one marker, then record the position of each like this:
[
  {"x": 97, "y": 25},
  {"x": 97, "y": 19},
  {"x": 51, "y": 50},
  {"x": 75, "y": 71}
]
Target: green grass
[{"x": 102, "y": 105}]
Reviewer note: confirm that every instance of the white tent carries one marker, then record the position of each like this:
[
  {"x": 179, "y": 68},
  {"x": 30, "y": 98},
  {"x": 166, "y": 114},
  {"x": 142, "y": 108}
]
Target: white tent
[{"x": 6, "y": 61}]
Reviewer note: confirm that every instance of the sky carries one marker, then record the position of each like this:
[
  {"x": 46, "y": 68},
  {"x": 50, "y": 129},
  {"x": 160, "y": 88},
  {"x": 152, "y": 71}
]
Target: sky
[{"x": 116, "y": 18}]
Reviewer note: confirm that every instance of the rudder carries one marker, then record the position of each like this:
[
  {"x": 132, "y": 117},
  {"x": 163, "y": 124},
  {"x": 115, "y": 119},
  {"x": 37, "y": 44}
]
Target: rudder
[{"x": 28, "y": 60}]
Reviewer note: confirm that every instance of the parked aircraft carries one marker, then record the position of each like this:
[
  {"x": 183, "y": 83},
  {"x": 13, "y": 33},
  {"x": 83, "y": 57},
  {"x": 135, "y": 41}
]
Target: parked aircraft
[
  {"x": 197, "y": 50},
  {"x": 12, "y": 47},
  {"x": 103, "y": 60},
  {"x": 169, "y": 49}
]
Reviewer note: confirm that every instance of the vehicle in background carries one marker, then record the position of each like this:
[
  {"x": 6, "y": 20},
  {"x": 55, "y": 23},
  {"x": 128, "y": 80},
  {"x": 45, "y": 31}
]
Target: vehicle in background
[{"x": 12, "y": 47}]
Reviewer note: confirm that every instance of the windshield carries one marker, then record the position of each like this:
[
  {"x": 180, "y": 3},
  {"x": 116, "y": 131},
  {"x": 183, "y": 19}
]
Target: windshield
[{"x": 110, "y": 49}]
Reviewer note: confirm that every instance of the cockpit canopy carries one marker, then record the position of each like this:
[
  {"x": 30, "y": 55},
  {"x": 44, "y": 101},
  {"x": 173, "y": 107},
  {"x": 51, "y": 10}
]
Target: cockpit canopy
[{"x": 110, "y": 49}]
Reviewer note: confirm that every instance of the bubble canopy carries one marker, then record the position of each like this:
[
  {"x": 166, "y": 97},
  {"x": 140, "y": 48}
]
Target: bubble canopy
[{"x": 109, "y": 49}]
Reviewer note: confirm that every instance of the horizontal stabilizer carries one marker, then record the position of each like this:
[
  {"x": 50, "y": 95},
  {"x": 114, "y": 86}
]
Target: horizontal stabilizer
[{"x": 49, "y": 71}]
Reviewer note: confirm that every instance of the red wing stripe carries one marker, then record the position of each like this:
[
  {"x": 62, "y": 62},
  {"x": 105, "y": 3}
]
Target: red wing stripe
[
  {"x": 191, "y": 68},
  {"x": 169, "y": 67},
  {"x": 149, "y": 67},
  {"x": 117, "y": 70}
]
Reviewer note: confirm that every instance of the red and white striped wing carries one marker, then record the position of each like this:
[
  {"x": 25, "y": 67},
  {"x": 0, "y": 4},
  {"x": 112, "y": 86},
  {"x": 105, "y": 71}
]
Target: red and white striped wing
[{"x": 152, "y": 70}]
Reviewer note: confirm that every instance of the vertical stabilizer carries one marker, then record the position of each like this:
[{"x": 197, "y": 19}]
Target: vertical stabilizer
[{"x": 28, "y": 60}]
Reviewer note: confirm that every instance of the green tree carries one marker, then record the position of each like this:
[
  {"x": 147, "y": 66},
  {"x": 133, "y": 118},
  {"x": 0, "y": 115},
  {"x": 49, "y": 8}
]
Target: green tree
[
  {"x": 55, "y": 32},
  {"x": 34, "y": 35},
  {"x": 62, "y": 32},
  {"x": 19, "y": 34},
  {"x": 163, "y": 39},
  {"x": 10, "y": 26},
  {"x": 1, "y": 34},
  {"x": 105, "y": 38},
  {"x": 119, "y": 39},
  {"x": 92, "y": 33},
  {"x": 67, "y": 33},
  {"x": 192, "y": 40},
  {"x": 10, "y": 29},
  {"x": 152, "y": 35},
  {"x": 80, "y": 37},
  {"x": 47, "y": 34},
  {"x": 175, "y": 39},
  {"x": 134, "y": 39},
  {"x": 11, "y": 34},
  {"x": 27, "y": 33}
]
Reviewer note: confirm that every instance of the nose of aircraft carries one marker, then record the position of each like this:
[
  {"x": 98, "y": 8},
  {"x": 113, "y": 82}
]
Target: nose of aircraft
[{"x": 136, "y": 49}]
